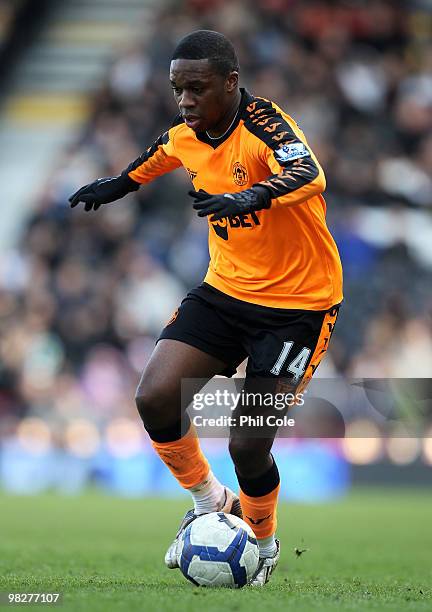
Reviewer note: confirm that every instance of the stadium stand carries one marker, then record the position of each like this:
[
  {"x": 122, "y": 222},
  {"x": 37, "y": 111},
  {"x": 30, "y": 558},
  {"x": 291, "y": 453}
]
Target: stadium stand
[{"x": 82, "y": 296}]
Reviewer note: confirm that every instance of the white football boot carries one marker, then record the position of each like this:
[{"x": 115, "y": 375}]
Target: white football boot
[
  {"x": 266, "y": 567},
  {"x": 230, "y": 504}
]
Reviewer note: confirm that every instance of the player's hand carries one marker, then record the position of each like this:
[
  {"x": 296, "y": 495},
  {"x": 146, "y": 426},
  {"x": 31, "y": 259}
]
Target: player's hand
[
  {"x": 103, "y": 191},
  {"x": 229, "y": 204}
]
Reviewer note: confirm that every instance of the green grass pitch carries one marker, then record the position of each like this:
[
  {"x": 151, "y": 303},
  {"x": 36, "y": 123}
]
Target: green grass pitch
[{"x": 369, "y": 551}]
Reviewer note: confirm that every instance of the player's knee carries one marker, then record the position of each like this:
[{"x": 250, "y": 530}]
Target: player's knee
[
  {"x": 154, "y": 406},
  {"x": 146, "y": 401},
  {"x": 249, "y": 456}
]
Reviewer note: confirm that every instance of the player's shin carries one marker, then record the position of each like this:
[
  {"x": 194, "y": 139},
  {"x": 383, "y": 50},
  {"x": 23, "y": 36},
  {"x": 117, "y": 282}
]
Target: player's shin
[
  {"x": 185, "y": 460},
  {"x": 258, "y": 498}
]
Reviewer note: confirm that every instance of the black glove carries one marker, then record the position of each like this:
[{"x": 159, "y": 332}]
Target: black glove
[
  {"x": 229, "y": 204},
  {"x": 103, "y": 190}
]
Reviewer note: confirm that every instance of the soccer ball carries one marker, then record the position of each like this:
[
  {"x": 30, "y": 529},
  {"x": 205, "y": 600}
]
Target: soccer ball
[{"x": 218, "y": 550}]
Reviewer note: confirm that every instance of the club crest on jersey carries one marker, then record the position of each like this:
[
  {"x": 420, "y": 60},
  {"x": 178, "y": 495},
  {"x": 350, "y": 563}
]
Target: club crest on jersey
[
  {"x": 290, "y": 152},
  {"x": 240, "y": 174}
]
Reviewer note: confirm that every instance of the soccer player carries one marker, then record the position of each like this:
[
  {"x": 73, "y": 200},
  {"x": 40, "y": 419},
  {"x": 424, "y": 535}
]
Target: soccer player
[{"x": 274, "y": 282}]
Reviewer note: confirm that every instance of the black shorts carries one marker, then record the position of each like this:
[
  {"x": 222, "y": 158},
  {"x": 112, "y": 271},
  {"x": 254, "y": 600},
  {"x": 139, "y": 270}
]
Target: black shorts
[{"x": 278, "y": 342}]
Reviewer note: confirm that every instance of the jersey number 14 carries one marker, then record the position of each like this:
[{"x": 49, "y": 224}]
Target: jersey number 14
[{"x": 297, "y": 366}]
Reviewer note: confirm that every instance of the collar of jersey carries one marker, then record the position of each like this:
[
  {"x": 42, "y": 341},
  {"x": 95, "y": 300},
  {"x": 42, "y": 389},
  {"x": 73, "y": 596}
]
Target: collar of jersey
[{"x": 246, "y": 99}]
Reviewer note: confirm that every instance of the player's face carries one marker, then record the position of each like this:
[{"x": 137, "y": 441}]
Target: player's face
[{"x": 204, "y": 97}]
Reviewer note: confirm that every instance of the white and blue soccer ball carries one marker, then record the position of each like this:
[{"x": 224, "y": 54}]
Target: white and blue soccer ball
[{"x": 218, "y": 550}]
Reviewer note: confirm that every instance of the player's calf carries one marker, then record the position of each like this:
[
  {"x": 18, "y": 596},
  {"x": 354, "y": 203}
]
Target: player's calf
[{"x": 258, "y": 498}]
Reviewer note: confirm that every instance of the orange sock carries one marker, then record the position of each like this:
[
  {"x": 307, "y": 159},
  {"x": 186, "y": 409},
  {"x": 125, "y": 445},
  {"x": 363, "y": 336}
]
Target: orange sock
[
  {"x": 185, "y": 459},
  {"x": 260, "y": 512}
]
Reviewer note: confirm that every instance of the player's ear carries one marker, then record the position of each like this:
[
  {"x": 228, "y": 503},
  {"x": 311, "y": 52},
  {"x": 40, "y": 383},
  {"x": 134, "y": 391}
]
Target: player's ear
[{"x": 231, "y": 82}]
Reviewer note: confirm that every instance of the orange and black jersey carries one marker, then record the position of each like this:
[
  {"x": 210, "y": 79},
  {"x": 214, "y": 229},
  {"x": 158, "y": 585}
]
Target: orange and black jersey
[{"x": 284, "y": 256}]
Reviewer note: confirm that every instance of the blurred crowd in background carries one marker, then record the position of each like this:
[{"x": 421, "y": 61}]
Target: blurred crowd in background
[
  {"x": 84, "y": 296},
  {"x": 8, "y": 12}
]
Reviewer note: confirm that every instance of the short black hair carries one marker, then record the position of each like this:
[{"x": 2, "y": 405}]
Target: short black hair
[{"x": 207, "y": 44}]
